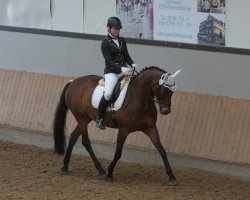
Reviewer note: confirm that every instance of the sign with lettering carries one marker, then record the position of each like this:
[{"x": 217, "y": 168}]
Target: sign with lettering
[{"x": 187, "y": 21}]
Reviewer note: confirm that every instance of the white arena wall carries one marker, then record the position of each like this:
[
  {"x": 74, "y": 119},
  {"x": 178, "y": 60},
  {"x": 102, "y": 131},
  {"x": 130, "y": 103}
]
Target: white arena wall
[{"x": 205, "y": 72}]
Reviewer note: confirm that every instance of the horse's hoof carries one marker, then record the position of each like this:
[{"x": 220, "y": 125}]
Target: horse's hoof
[
  {"x": 64, "y": 171},
  {"x": 172, "y": 182},
  {"x": 109, "y": 179},
  {"x": 102, "y": 176}
]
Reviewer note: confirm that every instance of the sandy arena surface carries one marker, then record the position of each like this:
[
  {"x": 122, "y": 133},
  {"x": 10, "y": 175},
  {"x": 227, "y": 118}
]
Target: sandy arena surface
[{"x": 28, "y": 172}]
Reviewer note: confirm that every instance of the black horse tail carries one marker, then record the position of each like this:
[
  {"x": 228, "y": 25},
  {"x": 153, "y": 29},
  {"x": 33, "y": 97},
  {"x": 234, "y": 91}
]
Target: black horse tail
[{"x": 59, "y": 123}]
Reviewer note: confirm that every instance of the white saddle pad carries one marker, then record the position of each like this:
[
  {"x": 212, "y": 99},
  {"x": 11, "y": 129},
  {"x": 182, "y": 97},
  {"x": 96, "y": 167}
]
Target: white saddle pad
[{"x": 98, "y": 93}]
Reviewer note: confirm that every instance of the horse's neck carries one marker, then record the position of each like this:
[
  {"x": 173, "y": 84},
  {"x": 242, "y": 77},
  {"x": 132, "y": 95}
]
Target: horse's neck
[{"x": 149, "y": 79}]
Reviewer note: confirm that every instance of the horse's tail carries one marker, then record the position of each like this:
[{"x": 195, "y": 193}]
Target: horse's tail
[{"x": 59, "y": 123}]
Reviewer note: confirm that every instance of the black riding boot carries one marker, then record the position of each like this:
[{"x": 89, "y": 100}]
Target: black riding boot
[{"x": 100, "y": 123}]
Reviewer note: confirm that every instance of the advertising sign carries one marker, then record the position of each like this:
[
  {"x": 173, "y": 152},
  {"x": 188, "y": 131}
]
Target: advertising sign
[{"x": 187, "y": 21}]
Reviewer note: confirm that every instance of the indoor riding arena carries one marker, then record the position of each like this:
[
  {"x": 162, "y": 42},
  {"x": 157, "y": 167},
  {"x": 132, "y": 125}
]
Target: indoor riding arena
[{"x": 46, "y": 44}]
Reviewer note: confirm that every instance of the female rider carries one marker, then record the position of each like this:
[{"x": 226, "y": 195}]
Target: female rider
[{"x": 117, "y": 61}]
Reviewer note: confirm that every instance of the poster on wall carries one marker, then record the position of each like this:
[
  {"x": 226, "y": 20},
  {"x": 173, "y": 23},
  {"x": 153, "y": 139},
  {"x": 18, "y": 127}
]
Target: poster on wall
[
  {"x": 211, "y": 22},
  {"x": 187, "y": 21},
  {"x": 136, "y": 17}
]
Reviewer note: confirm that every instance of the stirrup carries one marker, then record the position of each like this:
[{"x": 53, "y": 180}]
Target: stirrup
[{"x": 100, "y": 123}]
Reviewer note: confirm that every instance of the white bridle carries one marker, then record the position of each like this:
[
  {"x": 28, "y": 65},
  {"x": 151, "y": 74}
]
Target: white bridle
[{"x": 167, "y": 80}]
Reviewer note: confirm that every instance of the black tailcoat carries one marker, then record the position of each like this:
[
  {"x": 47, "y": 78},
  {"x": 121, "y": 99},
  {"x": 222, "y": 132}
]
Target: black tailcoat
[{"x": 115, "y": 57}]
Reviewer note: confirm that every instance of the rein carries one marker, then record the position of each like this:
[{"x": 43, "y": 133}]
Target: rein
[{"x": 147, "y": 95}]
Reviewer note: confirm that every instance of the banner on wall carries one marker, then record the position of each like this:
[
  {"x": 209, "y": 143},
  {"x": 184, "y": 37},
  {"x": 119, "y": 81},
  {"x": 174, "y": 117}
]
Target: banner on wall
[{"x": 187, "y": 21}]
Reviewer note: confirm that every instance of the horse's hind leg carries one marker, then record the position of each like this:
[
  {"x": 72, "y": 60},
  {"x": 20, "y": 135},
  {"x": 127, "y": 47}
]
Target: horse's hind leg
[
  {"x": 73, "y": 138},
  {"x": 87, "y": 144},
  {"x": 154, "y": 136}
]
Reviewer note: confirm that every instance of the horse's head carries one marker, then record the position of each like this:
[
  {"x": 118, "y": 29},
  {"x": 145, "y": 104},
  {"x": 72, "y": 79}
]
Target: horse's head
[{"x": 165, "y": 91}]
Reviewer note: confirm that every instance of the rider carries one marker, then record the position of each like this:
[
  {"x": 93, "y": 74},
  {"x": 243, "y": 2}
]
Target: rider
[{"x": 117, "y": 61}]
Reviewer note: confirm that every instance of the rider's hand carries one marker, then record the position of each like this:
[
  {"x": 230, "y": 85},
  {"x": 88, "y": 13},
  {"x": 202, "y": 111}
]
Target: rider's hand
[
  {"x": 126, "y": 71},
  {"x": 134, "y": 65}
]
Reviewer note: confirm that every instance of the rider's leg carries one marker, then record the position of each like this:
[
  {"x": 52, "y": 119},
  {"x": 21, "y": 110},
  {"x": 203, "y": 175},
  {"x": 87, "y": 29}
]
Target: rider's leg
[
  {"x": 100, "y": 123},
  {"x": 110, "y": 82}
]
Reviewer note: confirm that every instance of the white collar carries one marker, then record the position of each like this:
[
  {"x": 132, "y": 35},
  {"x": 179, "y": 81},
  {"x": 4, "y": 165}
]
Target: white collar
[{"x": 116, "y": 42}]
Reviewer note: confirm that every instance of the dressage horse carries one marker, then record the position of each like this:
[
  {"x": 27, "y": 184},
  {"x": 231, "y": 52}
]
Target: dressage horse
[{"x": 138, "y": 113}]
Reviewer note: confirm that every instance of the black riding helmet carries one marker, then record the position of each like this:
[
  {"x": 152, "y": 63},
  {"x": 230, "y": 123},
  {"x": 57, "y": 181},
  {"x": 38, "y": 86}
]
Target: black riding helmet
[{"x": 114, "y": 22}]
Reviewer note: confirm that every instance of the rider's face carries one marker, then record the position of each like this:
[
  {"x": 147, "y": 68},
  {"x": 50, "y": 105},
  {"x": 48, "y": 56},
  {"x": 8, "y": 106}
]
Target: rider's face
[{"x": 114, "y": 31}]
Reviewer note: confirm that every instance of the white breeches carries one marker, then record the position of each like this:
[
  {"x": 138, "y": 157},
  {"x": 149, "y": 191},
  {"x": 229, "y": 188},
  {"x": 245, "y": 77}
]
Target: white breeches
[{"x": 110, "y": 81}]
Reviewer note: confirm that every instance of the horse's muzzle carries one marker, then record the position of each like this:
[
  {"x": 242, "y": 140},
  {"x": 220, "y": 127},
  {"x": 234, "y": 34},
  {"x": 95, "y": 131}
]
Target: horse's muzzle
[{"x": 165, "y": 110}]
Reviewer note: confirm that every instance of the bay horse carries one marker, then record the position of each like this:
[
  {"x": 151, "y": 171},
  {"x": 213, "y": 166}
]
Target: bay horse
[{"x": 138, "y": 113}]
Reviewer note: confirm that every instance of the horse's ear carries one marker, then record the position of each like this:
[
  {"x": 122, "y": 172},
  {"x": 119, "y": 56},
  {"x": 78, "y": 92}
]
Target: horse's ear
[
  {"x": 165, "y": 77},
  {"x": 176, "y": 73},
  {"x": 162, "y": 79},
  {"x": 168, "y": 80}
]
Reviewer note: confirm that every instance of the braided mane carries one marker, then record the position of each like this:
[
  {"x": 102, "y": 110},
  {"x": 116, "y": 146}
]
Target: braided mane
[{"x": 150, "y": 68}]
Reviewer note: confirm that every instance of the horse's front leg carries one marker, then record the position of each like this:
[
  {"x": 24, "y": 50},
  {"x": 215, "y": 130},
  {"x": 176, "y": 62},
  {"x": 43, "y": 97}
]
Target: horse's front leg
[
  {"x": 121, "y": 137},
  {"x": 152, "y": 132}
]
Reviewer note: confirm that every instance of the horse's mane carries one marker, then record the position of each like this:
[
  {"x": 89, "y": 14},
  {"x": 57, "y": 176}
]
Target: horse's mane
[{"x": 148, "y": 69}]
